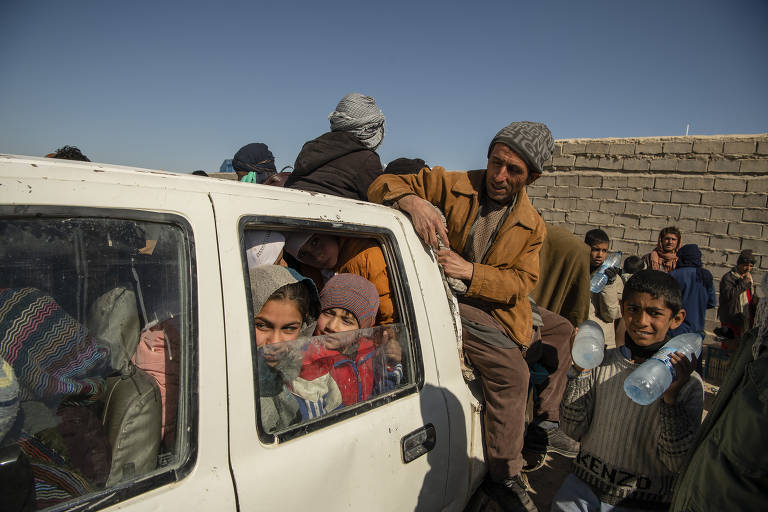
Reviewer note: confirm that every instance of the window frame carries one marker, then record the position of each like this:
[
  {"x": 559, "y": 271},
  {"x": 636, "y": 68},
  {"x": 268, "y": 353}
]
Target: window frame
[
  {"x": 188, "y": 404},
  {"x": 398, "y": 288}
]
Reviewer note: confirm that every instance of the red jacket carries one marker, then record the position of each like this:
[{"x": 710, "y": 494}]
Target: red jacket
[{"x": 353, "y": 374}]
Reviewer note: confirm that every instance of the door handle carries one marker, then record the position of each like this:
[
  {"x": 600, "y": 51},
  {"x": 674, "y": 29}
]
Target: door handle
[{"x": 418, "y": 442}]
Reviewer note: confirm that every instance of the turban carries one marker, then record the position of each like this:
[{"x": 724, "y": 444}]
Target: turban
[{"x": 359, "y": 115}]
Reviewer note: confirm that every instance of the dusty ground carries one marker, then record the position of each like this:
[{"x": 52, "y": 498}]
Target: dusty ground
[{"x": 545, "y": 482}]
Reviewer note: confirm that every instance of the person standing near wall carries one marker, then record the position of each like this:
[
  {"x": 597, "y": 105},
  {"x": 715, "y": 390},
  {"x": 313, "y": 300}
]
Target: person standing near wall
[
  {"x": 737, "y": 295},
  {"x": 664, "y": 256},
  {"x": 697, "y": 288},
  {"x": 604, "y": 306}
]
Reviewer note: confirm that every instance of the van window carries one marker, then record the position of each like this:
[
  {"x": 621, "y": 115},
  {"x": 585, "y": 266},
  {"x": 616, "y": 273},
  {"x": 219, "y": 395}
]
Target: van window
[
  {"x": 95, "y": 338},
  {"x": 315, "y": 366}
]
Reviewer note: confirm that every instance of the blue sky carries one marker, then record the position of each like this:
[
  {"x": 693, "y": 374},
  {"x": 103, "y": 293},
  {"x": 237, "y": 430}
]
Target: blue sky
[{"x": 182, "y": 85}]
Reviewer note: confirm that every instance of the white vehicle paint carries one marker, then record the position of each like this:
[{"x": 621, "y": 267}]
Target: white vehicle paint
[{"x": 352, "y": 460}]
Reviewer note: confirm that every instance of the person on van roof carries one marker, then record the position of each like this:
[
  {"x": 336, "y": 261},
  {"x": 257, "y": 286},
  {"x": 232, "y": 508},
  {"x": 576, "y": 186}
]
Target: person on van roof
[
  {"x": 254, "y": 163},
  {"x": 343, "y": 162},
  {"x": 68, "y": 153}
]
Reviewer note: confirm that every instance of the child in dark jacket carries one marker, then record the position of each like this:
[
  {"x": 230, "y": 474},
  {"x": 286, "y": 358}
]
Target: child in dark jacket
[{"x": 348, "y": 304}]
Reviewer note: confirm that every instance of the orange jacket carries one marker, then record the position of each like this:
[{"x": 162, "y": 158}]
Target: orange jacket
[
  {"x": 361, "y": 256},
  {"x": 510, "y": 268}
]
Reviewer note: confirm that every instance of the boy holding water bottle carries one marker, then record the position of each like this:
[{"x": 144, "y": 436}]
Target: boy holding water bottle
[
  {"x": 604, "y": 305},
  {"x": 630, "y": 453}
]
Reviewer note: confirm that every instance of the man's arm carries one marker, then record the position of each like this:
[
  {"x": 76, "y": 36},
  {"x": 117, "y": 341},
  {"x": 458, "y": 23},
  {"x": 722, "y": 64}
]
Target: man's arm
[{"x": 414, "y": 194}]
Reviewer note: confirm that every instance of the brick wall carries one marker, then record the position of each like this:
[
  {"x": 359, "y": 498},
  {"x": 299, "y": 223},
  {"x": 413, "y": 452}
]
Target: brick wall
[{"x": 714, "y": 188}]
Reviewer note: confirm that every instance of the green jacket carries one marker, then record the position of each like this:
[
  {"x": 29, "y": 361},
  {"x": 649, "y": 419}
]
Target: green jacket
[{"x": 728, "y": 464}]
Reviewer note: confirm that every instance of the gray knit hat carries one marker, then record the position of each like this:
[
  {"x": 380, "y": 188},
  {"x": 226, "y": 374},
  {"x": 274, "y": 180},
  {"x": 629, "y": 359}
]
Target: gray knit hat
[
  {"x": 532, "y": 141},
  {"x": 354, "y": 293}
]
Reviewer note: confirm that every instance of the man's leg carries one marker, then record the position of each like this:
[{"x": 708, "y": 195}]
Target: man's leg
[
  {"x": 554, "y": 354},
  {"x": 504, "y": 376},
  {"x": 556, "y": 358}
]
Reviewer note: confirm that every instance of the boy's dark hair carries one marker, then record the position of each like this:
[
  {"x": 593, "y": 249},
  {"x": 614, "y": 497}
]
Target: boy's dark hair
[
  {"x": 633, "y": 264},
  {"x": 670, "y": 230},
  {"x": 746, "y": 257},
  {"x": 658, "y": 285},
  {"x": 596, "y": 236},
  {"x": 70, "y": 153},
  {"x": 299, "y": 293}
]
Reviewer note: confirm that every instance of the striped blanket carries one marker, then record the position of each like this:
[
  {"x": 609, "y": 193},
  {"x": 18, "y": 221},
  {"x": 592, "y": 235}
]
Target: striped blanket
[{"x": 51, "y": 353}]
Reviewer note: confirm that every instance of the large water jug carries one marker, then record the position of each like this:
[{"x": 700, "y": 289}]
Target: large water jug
[
  {"x": 653, "y": 377},
  {"x": 599, "y": 280},
  {"x": 588, "y": 345}
]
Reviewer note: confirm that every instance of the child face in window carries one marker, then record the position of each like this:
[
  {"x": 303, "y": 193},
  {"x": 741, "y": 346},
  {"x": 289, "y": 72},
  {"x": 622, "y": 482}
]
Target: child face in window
[
  {"x": 336, "y": 320},
  {"x": 278, "y": 321},
  {"x": 320, "y": 251},
  {"x": 648, "y": 319}
]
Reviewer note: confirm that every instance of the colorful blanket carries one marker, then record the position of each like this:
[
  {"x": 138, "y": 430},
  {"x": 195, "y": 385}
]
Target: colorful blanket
[{"x": 51, "y": 353}]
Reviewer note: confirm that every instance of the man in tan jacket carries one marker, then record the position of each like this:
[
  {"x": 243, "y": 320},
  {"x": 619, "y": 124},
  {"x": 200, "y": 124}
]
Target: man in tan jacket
[{"x": 493, "y": 235}]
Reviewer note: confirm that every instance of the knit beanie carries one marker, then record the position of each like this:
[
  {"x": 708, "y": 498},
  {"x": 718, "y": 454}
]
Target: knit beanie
[
  {"x": 353, "y": 293},
  {"x": 533, "y": 142}
]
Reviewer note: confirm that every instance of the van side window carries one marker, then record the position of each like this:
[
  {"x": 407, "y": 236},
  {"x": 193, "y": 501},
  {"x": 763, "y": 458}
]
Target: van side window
[
  {"x": 328, "y": 329},
  {"x": 94, "y": 336}
]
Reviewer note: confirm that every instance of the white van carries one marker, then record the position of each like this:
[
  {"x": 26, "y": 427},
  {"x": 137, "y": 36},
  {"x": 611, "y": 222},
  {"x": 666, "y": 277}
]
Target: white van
[{"x": 125, "y": 311}]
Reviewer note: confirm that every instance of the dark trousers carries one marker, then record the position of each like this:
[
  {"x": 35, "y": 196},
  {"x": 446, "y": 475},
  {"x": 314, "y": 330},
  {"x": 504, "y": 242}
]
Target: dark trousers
[{"x": 505, "y": 376}]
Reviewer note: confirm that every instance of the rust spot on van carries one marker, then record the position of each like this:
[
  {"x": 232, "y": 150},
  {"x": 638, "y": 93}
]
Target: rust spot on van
[
  {"x": 98, "y": 170},
  {"x": 33, "y": 165}
]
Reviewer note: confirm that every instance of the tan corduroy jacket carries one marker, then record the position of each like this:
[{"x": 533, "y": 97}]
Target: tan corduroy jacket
[{"x": 510, "y": 268}]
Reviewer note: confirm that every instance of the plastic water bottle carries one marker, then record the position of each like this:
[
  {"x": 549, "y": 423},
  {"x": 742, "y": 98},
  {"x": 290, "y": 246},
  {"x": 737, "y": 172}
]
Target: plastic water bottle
[
  {"x": 599, "y": 280},
  {"x": 588, "y": 345},
  {"x": 652, "y": 378}
]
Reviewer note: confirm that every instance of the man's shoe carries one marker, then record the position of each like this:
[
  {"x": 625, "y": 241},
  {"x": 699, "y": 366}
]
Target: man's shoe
[
  {"x": 534, "y": 448},
  {"x": 511, "y": 495},
  {"x": 559, "y": 442},
  {"x": 539, "y": 441}
]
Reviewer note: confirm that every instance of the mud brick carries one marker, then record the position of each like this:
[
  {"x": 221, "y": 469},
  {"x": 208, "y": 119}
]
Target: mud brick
[
  {"x": 717, "y": 198},
  {"x": 677, "y": 147},
  {"x": 686, "y": 197},
  {"x": 657, "y": 195},
  {"x": 648, "y": 148},
  {"x": 740, "y": 147},
  {"x": 668, "y": 210},
  {"x": 723, "y": 165},
  {"x": 707, "y": 146},
  {"x": 699, "y": 183},
  {"x": 636, "y": 164}
]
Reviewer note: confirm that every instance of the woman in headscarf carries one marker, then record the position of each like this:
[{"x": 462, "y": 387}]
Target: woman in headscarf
[
  {"x": 697, "y": 288},
  {"x": 664, "y": 256},
  {"x": 343, "y": 162}
]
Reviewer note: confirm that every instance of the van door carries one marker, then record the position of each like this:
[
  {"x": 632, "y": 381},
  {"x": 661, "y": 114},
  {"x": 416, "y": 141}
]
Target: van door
[{"x": 387, "y": 451}]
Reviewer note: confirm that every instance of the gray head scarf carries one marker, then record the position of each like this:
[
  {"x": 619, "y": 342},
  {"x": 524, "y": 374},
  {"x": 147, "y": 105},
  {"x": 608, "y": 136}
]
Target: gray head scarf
[{"x": 361, "y": 116}]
